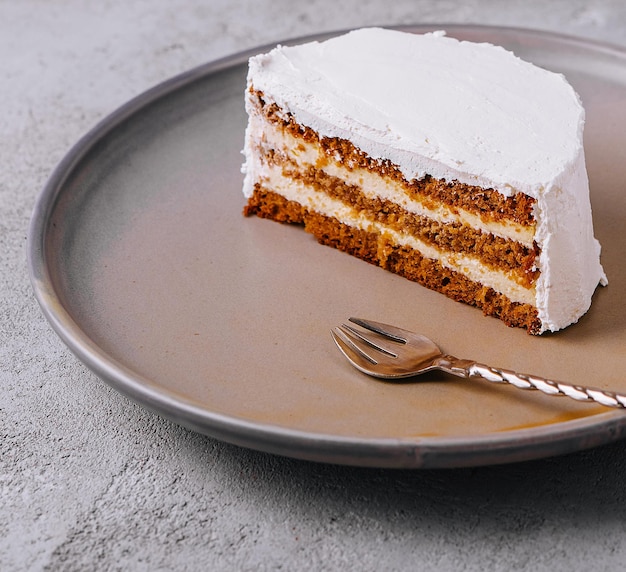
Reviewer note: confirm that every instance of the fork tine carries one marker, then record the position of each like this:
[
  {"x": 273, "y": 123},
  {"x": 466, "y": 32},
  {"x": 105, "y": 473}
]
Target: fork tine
[
  {"x": 391, "y": 332},
  {"x": 352, "y": 332},
  {"x": 349, "y": 349}
]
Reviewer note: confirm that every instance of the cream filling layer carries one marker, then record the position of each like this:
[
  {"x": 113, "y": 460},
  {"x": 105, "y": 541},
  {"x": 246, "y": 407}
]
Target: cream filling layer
[
  {"x": 372, "y": 185},
  {"x": 272, "y": 178}
]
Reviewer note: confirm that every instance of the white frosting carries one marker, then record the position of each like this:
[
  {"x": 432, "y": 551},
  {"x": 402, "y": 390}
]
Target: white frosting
[{"x": 458, "y": 111}]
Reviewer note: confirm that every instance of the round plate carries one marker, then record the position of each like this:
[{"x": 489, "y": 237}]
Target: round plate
[{"x": 144, "y": 265}]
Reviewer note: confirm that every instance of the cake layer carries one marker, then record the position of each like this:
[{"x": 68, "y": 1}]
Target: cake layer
[{"x": 403, "y": 259}]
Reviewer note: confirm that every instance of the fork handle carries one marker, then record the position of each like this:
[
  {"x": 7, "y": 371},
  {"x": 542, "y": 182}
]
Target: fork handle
[{"x": 469, "y": 368}]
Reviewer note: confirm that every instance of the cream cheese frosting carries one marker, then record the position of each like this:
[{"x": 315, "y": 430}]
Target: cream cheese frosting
[{"x": 455, "y": 110}]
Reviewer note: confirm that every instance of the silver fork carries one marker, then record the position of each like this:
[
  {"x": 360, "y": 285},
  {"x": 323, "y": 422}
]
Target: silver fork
[{"x": 388, "y": 352}]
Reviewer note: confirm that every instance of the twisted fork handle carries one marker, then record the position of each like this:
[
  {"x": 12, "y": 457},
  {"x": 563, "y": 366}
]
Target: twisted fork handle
[{"x": 469, "y": 368}]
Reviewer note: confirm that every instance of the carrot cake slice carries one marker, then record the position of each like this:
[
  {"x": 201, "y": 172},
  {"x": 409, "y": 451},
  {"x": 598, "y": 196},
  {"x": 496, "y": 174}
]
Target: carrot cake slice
[{"x": 454, "y": 164}]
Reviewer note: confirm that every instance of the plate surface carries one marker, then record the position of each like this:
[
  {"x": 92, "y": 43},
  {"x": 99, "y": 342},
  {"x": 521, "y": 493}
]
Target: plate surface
[{"x": 144, "y": 265}]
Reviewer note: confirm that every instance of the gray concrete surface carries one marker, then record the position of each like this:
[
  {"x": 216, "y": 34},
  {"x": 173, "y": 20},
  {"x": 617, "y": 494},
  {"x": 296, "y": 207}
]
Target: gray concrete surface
[{"x": 92, "y": 481}]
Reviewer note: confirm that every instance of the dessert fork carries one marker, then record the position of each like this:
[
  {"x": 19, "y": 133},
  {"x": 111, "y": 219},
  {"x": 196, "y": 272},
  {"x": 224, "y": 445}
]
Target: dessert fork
[{"x": 388, "y": 352}]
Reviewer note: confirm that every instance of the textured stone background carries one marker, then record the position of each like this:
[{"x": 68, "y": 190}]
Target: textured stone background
[{"x": 90, "y": 480}]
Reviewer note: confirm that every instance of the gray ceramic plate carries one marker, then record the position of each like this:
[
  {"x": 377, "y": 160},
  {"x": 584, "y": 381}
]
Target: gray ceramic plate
[{"x": 144, "y": 265}]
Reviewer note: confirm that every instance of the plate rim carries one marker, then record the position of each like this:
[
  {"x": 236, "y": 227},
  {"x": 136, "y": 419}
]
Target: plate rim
[{"x": 428, "y": 452}]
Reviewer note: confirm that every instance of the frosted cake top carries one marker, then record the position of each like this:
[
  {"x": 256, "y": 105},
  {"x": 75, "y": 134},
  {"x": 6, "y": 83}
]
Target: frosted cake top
[{"x": 473, "y": 112}]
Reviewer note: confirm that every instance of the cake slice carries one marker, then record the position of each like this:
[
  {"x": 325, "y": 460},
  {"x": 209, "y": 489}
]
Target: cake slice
[{"x": 454, "y": 164}]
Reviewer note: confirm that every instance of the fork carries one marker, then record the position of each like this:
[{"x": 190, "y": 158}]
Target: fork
[{"x": 388, "y": 352}]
